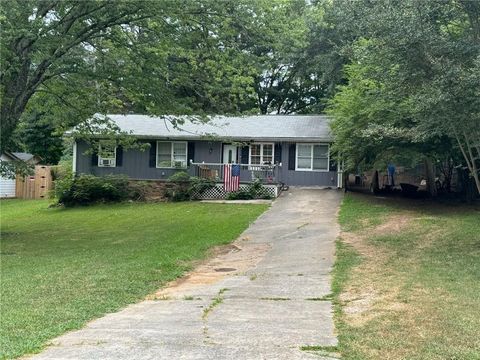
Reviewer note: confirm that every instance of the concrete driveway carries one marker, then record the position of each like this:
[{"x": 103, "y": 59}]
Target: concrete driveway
[{"x": 261, "y": 299}]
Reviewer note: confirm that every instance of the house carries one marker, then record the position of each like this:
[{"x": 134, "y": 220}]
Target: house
[
  {"x": 8, "y": 186},
  {"x": 276, "y": 149}
]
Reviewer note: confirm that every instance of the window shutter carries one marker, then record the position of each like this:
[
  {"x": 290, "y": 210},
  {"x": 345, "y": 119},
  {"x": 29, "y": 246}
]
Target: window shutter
[
  {"x": 190, "y": 152},
  {"x": 291, "y": 156},
  {"x": 153, "y": 154},
  {"x": 278, "y": 154},
  {"x": 95, "y": 159},
  {"x": 119, "y": 156},
  {"x": 244, "y": 155}
]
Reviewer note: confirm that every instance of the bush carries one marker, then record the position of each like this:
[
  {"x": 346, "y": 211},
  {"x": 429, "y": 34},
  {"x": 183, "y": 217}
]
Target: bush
[
  {"x": 199, "y": 185},
  {"x": 254, "y": 191},
  {"x": 239, "y": 195},
  {"x": 258, "y": 191},
  {"x": 140, "y": 190},
  {"x": 184, "y": 187},
  {"x": 62, "y": 170},
  {"x": 88, "y": 189},
  {"x": 179, "y": 177}
]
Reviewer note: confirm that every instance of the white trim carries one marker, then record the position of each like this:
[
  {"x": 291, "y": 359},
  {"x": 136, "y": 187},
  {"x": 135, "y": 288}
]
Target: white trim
[
  {"x": 171, "y": 154},
  {"x": 99, "y": 162},
  {"x": 261, "y": 152},
  {"x": 74, "y": 160},
  {"x": 311, "y": 154}
]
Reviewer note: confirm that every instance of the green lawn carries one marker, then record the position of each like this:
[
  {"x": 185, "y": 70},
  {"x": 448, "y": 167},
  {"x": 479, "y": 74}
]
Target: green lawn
[
  {"x": 61, "y": 268},
  {"x": 407, "y": 280}
]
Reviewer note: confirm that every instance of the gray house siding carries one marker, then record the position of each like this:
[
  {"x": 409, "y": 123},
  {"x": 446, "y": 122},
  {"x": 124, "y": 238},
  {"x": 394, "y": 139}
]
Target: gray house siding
[
  {"x": 135, "y": 165},
  {"x": 136, "y": 162},
  {"x": 303, "y": 178}
]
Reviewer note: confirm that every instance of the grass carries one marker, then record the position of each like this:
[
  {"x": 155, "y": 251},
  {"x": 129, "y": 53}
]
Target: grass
[
  {"x": 406, "y": 280},
  {"x": 328, "y": 351},
  {"x": 61, "y": 268},
  {"x": 217, "y": 300}
]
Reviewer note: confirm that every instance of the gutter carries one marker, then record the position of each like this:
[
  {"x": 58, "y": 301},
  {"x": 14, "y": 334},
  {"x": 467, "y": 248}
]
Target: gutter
[{"x": 227, "y": 138}]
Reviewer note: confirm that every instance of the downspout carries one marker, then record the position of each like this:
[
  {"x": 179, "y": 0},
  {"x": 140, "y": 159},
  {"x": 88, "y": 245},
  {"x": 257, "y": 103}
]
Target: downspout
[
  {"x": 340, "y": 174},
  {"x": 74, "y": 162}
]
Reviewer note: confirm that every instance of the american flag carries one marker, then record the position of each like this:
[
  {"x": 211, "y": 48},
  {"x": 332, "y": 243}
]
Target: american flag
[{"x": 231, "y": 177}]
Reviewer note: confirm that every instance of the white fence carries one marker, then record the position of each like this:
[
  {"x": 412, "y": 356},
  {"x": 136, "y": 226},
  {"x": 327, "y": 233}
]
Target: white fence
[
  {"x": 217, "y": 192},
  {"x": 267, "y": 174}
]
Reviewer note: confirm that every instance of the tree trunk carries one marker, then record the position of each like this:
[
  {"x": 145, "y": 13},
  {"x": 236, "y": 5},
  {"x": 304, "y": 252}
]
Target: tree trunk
[
  {"x": 375, "y": 186},
  {"x": 468, "y": 154},
  {"x": 430, "y": 174}
]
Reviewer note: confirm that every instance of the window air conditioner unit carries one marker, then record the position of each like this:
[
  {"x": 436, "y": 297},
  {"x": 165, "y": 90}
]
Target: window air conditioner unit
[{"x": 108, "y": 162}]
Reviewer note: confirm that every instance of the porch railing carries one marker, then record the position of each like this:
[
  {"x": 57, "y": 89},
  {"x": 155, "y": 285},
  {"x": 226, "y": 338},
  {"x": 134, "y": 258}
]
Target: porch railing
[{"x": 267, "y": 174}]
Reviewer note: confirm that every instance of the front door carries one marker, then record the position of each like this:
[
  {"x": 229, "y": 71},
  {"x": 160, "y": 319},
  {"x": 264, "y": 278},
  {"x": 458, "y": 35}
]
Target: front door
[{"x": 229, "y": 154}]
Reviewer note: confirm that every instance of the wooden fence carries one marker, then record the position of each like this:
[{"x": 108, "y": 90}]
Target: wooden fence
[{"x": 36, "y": 186}]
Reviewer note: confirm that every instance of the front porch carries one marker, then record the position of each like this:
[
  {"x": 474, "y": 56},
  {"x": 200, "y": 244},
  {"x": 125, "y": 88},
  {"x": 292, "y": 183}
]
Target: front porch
[
  {"x": 268, "y": 175},
  {"x": 249, "y": 173}
]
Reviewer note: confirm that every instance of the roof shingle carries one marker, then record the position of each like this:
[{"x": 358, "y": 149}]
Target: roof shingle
[{"x": 241, "y": 128}]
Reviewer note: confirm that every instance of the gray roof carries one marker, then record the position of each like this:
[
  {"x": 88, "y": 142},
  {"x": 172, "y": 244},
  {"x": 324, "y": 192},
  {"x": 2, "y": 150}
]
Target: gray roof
[
  {"x": 23, "y": 156},
  {"x": 241, "y": 128}
]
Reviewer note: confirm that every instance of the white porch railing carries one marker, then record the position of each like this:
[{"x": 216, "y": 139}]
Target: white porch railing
[{"x": 267, "y": 174}]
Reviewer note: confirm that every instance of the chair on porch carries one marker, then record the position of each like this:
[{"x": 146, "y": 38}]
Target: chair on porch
[{"x": 205, "y": 172}]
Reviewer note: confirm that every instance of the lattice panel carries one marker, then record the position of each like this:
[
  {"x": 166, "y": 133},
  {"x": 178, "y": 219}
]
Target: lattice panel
[{"x": 217, "y": 192}]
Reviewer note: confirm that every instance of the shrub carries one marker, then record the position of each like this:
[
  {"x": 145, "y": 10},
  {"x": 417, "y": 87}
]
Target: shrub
[
  {"x": 140, "y": 190},
  {"x": 239, "y": 195},
  {"x": 199, "y": 185},
  {"x": 185, "y": 187},
  {"x": 87, "y": 189},
  {"x": 258, "y": 191},
  {"x": 179, "y": 177},
  {"x": 254, "y": 191},
  {"x": 179, "y": 187}
]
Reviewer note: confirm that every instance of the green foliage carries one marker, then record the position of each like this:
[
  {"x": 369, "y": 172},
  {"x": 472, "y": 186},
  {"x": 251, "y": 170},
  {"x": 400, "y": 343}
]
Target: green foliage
[
  {"x": 413, "y": 81},
  {"x": 42, "y": 139},
  {"x": 199, "y": 185},
  {"x": 239, "y": 195},
  {"x": 184, "y": 187},
  {"x": 63, "y": 178},
  {"x": 89, "y": 189},
  {"x": 140, "y": 190},
  {"x": 10, "y": 169},
  {"x": 162, "y": 57},
  {"x": 179, "y": 177},
  {"x": 254, "y": 191},
  {"x": 64, "y": 267}
]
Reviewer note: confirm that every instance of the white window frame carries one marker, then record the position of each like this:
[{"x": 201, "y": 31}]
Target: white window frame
[
  {"x": 311, "y": 157},
  {"x": 261, "y": 153},
  {"x": 100, "y": 159},
  {"x": 172, "y": 155}
]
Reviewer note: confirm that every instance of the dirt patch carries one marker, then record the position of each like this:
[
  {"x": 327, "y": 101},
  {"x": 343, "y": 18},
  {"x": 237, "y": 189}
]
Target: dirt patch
[
  {"x": 365, "y": 301},
  {"x": 394, "y": 224},
  {"x": 239, "y": 256}
]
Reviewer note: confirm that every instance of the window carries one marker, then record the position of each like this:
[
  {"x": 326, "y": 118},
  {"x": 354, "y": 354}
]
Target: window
[
  {"x": 261, "y": 154},
  {"x": 171, "y": 154},
  {"x": 312, "y": 157},
  {"x": 107, "y": 153}
]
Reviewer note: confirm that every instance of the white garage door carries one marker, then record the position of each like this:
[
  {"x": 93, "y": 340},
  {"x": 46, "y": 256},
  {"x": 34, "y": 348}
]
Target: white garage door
[{"x": 7, "y": 187}]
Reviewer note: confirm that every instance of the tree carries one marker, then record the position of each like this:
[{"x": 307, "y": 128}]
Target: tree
[
  {"x": 423, "y": 56},
  {"x": 41, "y": 138},
  {"x": 44, "y": 40}
]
